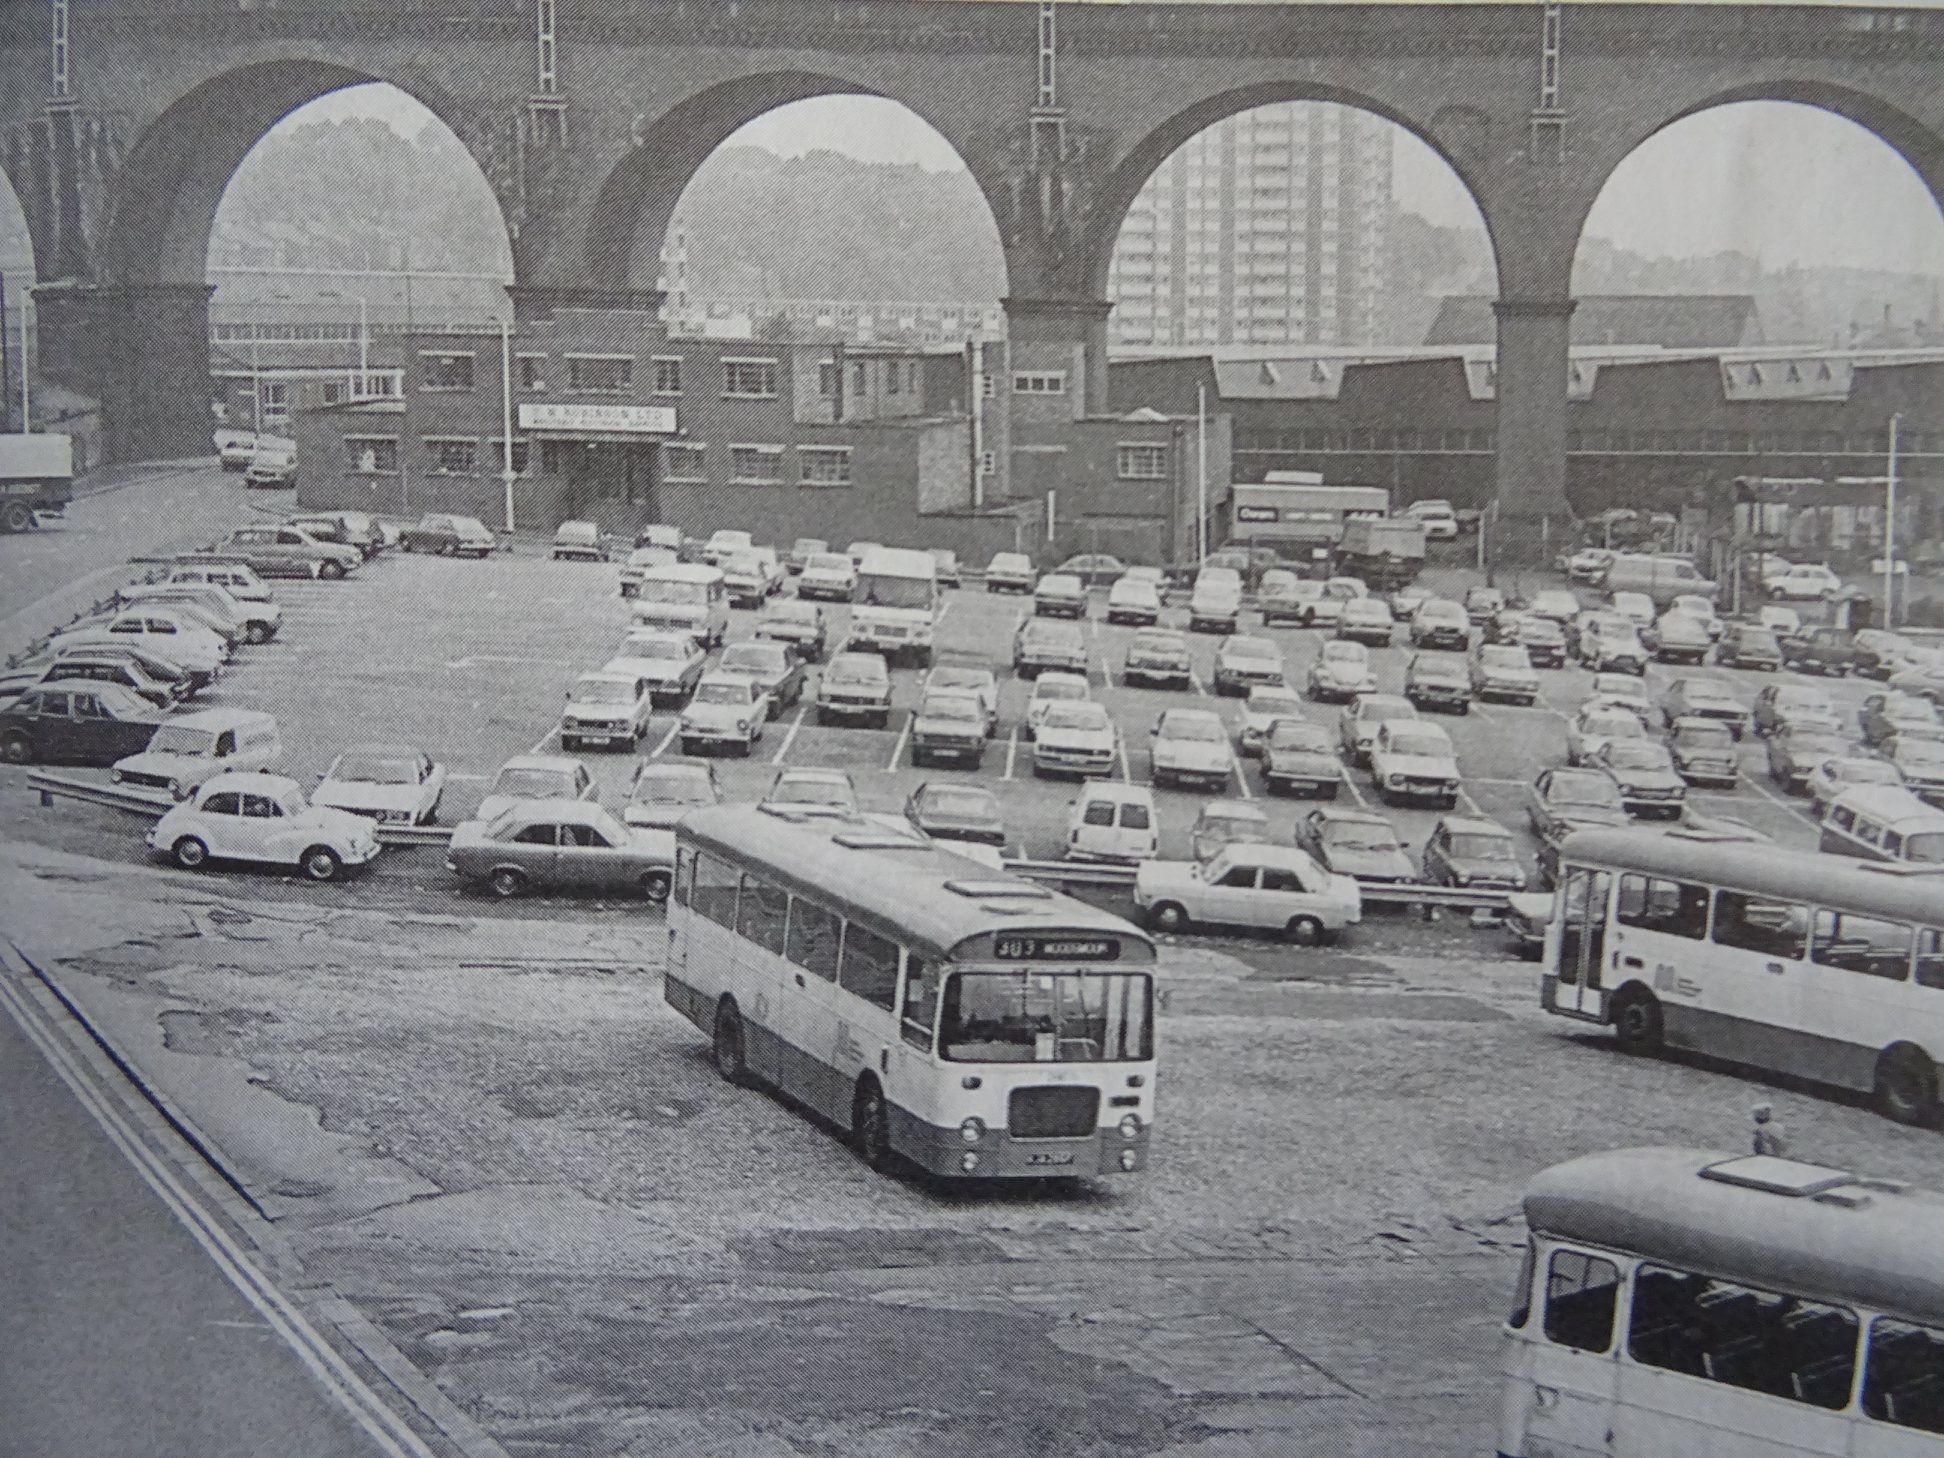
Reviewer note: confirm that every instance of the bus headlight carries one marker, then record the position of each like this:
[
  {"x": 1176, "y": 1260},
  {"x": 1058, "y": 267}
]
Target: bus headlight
[
  {"x": 1128, "y": 1159},
  {"x": 972, "y": 1131},
  {"x": 968, "y": 1161},
  {"x": 1130, "y": 1126},
  {"x": 742, "y": 726}
]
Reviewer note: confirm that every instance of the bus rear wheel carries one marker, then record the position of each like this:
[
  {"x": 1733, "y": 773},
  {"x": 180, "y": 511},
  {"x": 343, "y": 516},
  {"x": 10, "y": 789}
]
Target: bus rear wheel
[
  {"x": 728, "y": 1048},
  {"x": 1637, "y": 1022},
  {"x": 871, "y": 1125},
  {"x": 1906, "y": 1086}
]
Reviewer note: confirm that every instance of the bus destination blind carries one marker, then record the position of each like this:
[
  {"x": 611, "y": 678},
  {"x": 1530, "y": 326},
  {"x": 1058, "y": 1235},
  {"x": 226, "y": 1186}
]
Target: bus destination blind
[{"x": 1056, "y": 949}]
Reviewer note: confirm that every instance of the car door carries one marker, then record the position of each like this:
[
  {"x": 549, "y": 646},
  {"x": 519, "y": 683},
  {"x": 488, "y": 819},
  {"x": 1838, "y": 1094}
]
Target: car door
[
  {"x": 586, "y": 860},
  {"x": 219, "y": 824},
  {"x": 1282, "y": 896},
  {"x": 1232, "y": 900},
  {"x": 91, "y": 732},
  {"x": 262, "y": 830},
  {"x": 535, "y": 850}
]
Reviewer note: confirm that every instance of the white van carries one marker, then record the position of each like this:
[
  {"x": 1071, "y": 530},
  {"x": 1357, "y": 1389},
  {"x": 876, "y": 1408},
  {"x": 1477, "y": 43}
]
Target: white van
[
  {"x": 1216, "y": 604},
  {"x": 897, "y": 604},
  {"x": 1112, "y": 821},
  {"x": 684, "y": 597},
  {"x": 192, "y": 748},
  {"x": 1883, "y": 823}
]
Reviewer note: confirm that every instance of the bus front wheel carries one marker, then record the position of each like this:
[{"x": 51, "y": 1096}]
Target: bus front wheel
[
  {"x": 1637, "y": 1022},
  {"x": 1906, "y": 1086},
  {"x": 730, "y": 1061},
  {"x": 871, "y": 1125}
]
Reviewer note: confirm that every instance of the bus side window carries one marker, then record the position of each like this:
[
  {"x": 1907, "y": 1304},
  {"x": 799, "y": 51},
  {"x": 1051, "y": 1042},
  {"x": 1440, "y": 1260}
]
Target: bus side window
[
  {"x": 684, "y": 876},
  {"x": 869, "y": 967},
  {"x": 1861, "y": 944},
  {"x": 1869, "y": 832},
  {"x": 1743, "y": 1337},
  {"x": 1893, "y": 843},
  {"x": 815, "y": 935},
  {"x": 715, "y": 890},
  {"x": 1903, "y": 1380},
  {"x": 762, "y": 915},
  {"x": 1522, "y": 1293},
  {"x": 920, "y": 1002},
  {"x": 1582, "y": 1294},
  {"x": 1930, "y": 958},
  {"x": 1674, "y": 907},
  {"x": 1755, "y": 924}
]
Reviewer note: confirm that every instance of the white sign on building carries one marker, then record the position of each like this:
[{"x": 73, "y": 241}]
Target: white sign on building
[{"x": 598, "y": 419}]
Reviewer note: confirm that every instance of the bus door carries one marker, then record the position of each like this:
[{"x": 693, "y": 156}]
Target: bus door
[{"x": 1579, "y": 982}]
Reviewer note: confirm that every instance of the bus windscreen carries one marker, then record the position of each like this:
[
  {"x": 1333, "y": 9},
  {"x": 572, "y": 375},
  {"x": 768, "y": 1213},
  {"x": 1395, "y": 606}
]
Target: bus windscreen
[{"x": 1047, "y": 1017}]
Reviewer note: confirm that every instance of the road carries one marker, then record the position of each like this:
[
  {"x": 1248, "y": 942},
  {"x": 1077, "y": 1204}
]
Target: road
[{"x": 121, "y": 1336}]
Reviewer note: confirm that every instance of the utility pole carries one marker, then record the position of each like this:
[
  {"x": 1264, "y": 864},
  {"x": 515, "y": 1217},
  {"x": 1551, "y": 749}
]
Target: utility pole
[
  {"x": 1201, "y": 473},
  {"x": 506, "y": 412},
  {"x": 1890, "y": 530}
]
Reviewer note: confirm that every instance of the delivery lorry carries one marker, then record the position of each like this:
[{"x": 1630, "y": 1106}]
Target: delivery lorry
[{"x": 36, "y": 478}]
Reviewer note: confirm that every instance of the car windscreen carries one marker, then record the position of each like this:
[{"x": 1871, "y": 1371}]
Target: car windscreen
[
  {"x": 722, "y": 693},
  {"x": 1359, "y": 835},
  {"x": 1704, "y": 736},
  {"x": 1926, "y": 846},
  {"x": 1618, "y": 724},
  {"x": 1640, "y": 755},
  {"x": 1504, "y": 656},
  {"x": 1275, "y": 701},
  {"x": 602, "y": 691},
  {"x": 1299, "y": 735},
  {"x": 655, "y": 649},
  {"x": 1048, "y": 691},
  {"x": 971, "y": 679},
  {"x": 961, "y": 804},
  {"x": 1046, "y": 1017},
  {"x": 812, "y": 792},
  {"x": 1076, "y": 716},
  {"x": 373, "y": 769},
  {"x": 855, "y": 672},
  {"x": 1201, "y": 731},
  {"x": 1421, "y": 746},
  {"x": 1481, "y": 847},
  {"x": 672, "y": 789},
  {"x": 534, "y": 784},
  {"x": 829, "y": 562},
  {"x": 682, "y": 594},
  {"x": 750, "y": 658},
  {"x": 1345, "y": 653},
  {"x": 175, "y": 739},
  {"x": 955, "y": 708},
  {"x": 878, "y": 590},
  {"x": 1254, "y": 648},
  {"x": 1585, "y": 789}
]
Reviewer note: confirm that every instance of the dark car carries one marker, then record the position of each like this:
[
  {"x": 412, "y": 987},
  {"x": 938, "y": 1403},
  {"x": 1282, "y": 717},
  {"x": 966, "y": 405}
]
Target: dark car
[
  {"x": 76, "y": 722},
  {"x": 1824, "y": 650},
  {"x": 1543, "y": 640},
  {"x": 1678, "y": 638},
  {"x": 448, "y": 536},
  {"x": 952, "y": 811},
  {"x": 1436, "y": 682},
  {"x": 1094, "y": 569},
  {"x": 774, "y": 666},
  {"x": 1795, "y": 750},
  {"x": 562, "y": 845},
  {"x": 1467, "y": 851},
  {"x": 1750, "y": 645},
  {"x": 116, "y": 668}
]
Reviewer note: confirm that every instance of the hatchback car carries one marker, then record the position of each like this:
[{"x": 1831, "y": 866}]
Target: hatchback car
[
  {"x": 1555, "y": 603},
  {"x": 578, "y": 541},
  {"x": 1803, "y": 582},
  {"x": 1224, "y": 823},
  {"x": 775, "y": 668},
  {"x": 797, "y": 623},
  {"x": 1644, "y": 770},
  {"x": 445, "y": 535},
  {"x": 829, "y": 576},
  {"x": 537, "y": 777},
  {"x": 1281, "y": 596},
  {"x": 104, "y": 665},
  {"x": 1482, "y": 604},
  {"x": 1242, "y": 663},
  {"x": 1042, "y": 644},
  {"x": 1133, "y": 601},
  {"x": 1340, "y": 672},
  {"x": 751, "y": 578},
  {"x": 1636, "y": 607},
  {"x": 1597, "y": 722},
  {"x": 728, "y": 710},
  {"x": 1266, "y": 704},
  {"x": 951, "y": 810},
  {"x": 663, "y": 791},
  {"x": 1795, "y": 750},
  {"x": 275, "y": 550},
  {"x": 1356, "y": 843},
  {"x": 1503, "y": 671},
  {"x": 1190, "y": 747},
  {"x": 1623, "y": 688},
  {"x": 1465, "y": 850},
  {"x": 76, "y": 722},
  {"x": 1157, "y": 655},
  {"x": 562, "y": 845},
  {"x": 391, "y": 783},
  {"x": 1707, "y": 698},
  {"x": 1257, "y": 887},
  {"x": 1543, "y": 640},
  {"x": 809, "y": 790},
  {"x": 1112, "y": 821},
  {"x": 1564, "y": 800},
  {"x": 1841, "y": 772},
  {"x": 1704, "y": 752},
  {"x": 1357, "y": 724},
  {"x": 1050, "y": 689},
  {"x": 671, "y": 663},
  {"x": 1828, "y": 651},
  {"x": 262, "y": 819},
  {"x": 1060, "y": 595},
  {"x": 1093, "y": 569},
  {"x": 608, "y": 708},
  {"x": 1749, "y": 645},
  {"x": 1414, "y": 761},
  {"x": 1299, "y": 758},
  {"x": 1367, "y": 620},
  {"x": 1010, "y": 572},
  {"x": 1678, "y": 638},
  {"x": 1441, "y": 624},
  {"x": 1444, "y": 684},
  {"x": 1075, "y": 738},
  {"x": 1921, "y": 763},
  {"x": 968, "y": 678},
  {"x": 949, "y": 726},
  {"x": 724, "y": 543}
]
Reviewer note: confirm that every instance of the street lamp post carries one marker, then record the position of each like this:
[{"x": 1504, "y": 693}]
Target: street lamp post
[
  {"x": 1890, "y": 529},
  {"x": 506, "y": 414},
  {"x": 26, "y": 368}
]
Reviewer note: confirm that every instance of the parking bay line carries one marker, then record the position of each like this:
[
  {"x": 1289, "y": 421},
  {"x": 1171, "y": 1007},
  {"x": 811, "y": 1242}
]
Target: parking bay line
[
  {"x": 1350, "y": 784},
  {"x": 783, "y": 749},
  {"x": 1012, "y": 751},
  {"x": 667, "y": 739},
  {"x": 897, "y": 750},
  {"x": 1767, "y": 794},
  {"x": 1241, "y": 778}
]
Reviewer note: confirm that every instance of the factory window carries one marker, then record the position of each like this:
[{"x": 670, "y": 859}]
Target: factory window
[
  {"x": 756, "y": 465},
  {"x": 372, "y": 455},
  {"x": 824, "y": 465},
  {"x": 682, "y": 462},
  {"x": 600, "y": 374},
  {"x": 749, "y": 379},
  {"x": 668, "y": 374},
  {"x": 446, "y": 371},
  {"x": 452, "y": 455},
  {"x": 1142, "y": 462}
]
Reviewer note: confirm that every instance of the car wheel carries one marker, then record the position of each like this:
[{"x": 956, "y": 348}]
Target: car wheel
[
  {"x": 654, "y": 886},
  {"x": 1906, "y": 1086},
  {"x": 320, "y": 863},
  {"x": 1168, "y": 916},
  {"x": 330, "y": 570},
  {"x": 256, "y": 633},
  {"x": 17, "y": 749},
  {"x": 1303, "y": 931},
  {"x": 726, "y": 1046},
  {"x": 508, "y": 883}
]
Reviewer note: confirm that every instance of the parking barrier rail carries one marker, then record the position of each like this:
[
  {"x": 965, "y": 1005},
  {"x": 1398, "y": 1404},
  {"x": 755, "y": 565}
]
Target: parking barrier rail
[{"x": 147, "y": 802}]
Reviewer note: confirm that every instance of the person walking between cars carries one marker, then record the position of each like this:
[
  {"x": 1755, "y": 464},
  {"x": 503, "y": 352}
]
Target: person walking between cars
[{"x": 1770, "y": 1137}]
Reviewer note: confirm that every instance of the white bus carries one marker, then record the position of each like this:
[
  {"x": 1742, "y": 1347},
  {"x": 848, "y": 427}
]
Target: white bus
[
  {"x": 1792, "y": 961},
  {"x": 896, "y": 604},
  {"x": 1678, "y": 1302},
  {"x": 970, "y": 1022}
]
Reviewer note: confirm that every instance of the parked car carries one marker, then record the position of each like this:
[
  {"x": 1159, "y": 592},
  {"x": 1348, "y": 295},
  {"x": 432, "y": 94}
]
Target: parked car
[
  {"x": 724, "y": 543},
  {"x": 1841, "y": 772},
  {"x": 1367, "y": 620},
  {"x": 1357, "y": 724},
  {"x": 1704, "y": 752},
  {"x": 1441, "y": 624},
  {"x": 1340, "y": 672},
  {"x": 859, "y": 550},
  {"x": 797, "y": 624},
  {"x": 751, "y": 578},
  {"x": 661, "y": 534},
  {"x": 801, "y": 551},
  {"x": 663, "y": 791},
  {"x": 1678, "y": 638},
  {"x": 179, "y": 682},
  {"x": 1626, "y": 690},
  {"x": 1050, "y": 689},
  {"x": 1781, "y": 704},
  {"x": 727, "y": 710},
  {"x": 1588, "y": 565},
  {"x": 76, "y": 722},
  {"x": 830, "y": 576},
  {"x": 1299, "y": 758},
  {"x": 1042, "y": 643},
  {"x": 812, "y": 790},
  {"x": 1465, "y": 850},
  {"x": 1190, "y": 747},
  {"x": 1888, "y": 716},
  {"x": 1406, "y": 600},
  {"x": 1925, "y": 680},
  {"x": 1920, "y": 760},
  {"x": 1215, "y": 604},
  {"x": 256, "y": 620},
  {"x": 1554, "y": 603},
  {"x": 1134, "y": 601},
  {"x": 1296, "y": 600},
  {"x": 1223, "y": 823},
  {"x": 607, "y": 708},
  {"x": 1828, "y": 651},
  {"x": 1504, "y": 672},
  {"x": 1243, "y": 663},
  {"x": 1782, "y": 621},
  {"x": 855, "y": 686},
  {"x": 982, "y": 683},
  {"x": 1259, "y": 887},
  {"x": 273, "y": 550},
  {"x": 1010, "y": 572},
  {"x": 1597, "y": 722},
  {"x": 1356, "y": 843},
  {"x": 188, "y": 750},
  {"x": 1794, "y": 751},
  {"x": 775, "y": 667},
  {"x": 1636, "y": 607},
  {"x": 1438, "y": 683},
  {"x": 390, "y": 783},
  {"x": 1157, "y": 655},
  {"x": 347, "y": 528},
  {"x": 238, "y": 579},
  {"x": 671, "y": 663},
  {"x": 562, "y": 845},
  {"x": 1266, "y": 704},
  {"x": 945, "y": 564},
  {"x": 262, "y": 819},
  {"x": 1060, "y": 595},
  {"x": 1750, "y": 645},
  {"x": 1881, "y": 654},
  {"x": 949, "y": 726},
  {"x": 1543, "y": 641},
  {"x": 1803, "y": 582},
  {"x": 1644, "y": 770},
  {"x": 1702, "y": 609},
  {"x": 157, "y": 630},
  {"x": 1564, "y": 800},
  {"x": 446, "y": 535},
  {"x": 102, "y": 665},
  {"x": 1093, "y": 569},
  {"x": 954, "y": 811},
  {"x": 1482, "y": 604},
  {"x": 1708, "y": 698},
  {"x": 1114, "y": 822},
  {"x": 536, "y": 777},
  {"x": 1078, "y": 738},
  {"x": 1411, "y": 760}
]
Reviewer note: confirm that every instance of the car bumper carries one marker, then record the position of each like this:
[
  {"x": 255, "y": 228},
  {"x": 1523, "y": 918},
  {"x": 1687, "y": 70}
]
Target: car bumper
[
  {"x": 1442, "y": 698},
  {"x": 853, "y": 708},
  {"x": 1412, "y": 787},
  {"x": 1371, "y": 637},
  {"x": 1200, "y": 774},
  {"x": 597, "y": 733},
  {"x": 1157, "y": 672},
  {"x": 1072, "y": 761},
  {"x": 717, "y": 734},
  {"x": 939, "y": 747}
]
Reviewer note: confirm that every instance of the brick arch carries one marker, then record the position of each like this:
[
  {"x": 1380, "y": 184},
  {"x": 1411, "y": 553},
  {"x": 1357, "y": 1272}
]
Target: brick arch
[
  {"x": 1447, "y": 134},
  {"x": 637, "y": 198}
]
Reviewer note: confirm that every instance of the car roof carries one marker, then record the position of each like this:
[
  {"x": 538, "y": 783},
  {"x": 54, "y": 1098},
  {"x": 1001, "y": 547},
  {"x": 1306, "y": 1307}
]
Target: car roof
[
  {"x": 1347, "y": 815},
  {"x": 1473, "y": 825},
  {"x": 221, "y": 719},
  {"x": 558, "y": 808},
  {"x": 1177, "y": 711},
  {"x": 258, "y": 782},
  {"x": 1061, "y": 679},
  {"x": 559, "y": 762},
  {"x": 404, "y": 751},
  {"x": 604, "y": 675},
  {"x": 717, "y": 675},
  {"x": 825, "y": 773}
]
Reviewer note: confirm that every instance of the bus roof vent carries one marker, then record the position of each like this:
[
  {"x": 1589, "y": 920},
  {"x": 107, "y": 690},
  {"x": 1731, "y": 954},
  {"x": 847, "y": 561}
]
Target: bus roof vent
[
  {"x": 1011, "y": 890},
  {"x": 879, "y": 840},
  {"x": 1777, "y": 1176}
]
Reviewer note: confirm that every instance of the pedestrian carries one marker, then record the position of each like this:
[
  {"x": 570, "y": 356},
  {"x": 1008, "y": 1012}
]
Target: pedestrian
[{"x": 1770, "y": 1136}]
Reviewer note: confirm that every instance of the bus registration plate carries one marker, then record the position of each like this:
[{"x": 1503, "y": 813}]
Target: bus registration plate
[{"x": 1047, "y": 1156}]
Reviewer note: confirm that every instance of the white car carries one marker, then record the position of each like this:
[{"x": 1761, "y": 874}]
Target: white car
[
  {"x": 1357, "y": 724},
  {"x": 1076, "y": 738},
  {"x": 1555, "y": 603},
  {"x": 1438, "y": 518},
  {"x": 263, "y": 819},
  {"x": 727, "y": 709},
  {"x": 967, "y": 678},
  {"x": 1242, "y": 663},
  {"x": 725, "y": 544},
  {"x": 1638, "y": 607},
  {"x": 254, "y": 621},
  {"x": 1111, "y": 821},
  {"x": 1843, "y": 772},
  {"x": 805, "y": 790},
  {"x": 235, "y": 578},
  {"x": 1190, "y": 746},
  {"x": 1701, "y": 609},
  {"x": 1050, "y": 689},
  {"x": 1410, "y": 760},
  {"x": 1782, "y": 621},
  {"x": 1135, "y": 601},
  {"x": 610, "y": 708},
  {"x": 388, "y": 782},
  {"x": 1367, "y": 620},
  {"x": 1341, "y": 672},
  {"x": 751, "y": 576},
  {"x": 536, "y": 777},
  {"x": 1598, "y": 723},
  {"x": 1267, "y": 887},
  {"x": 672, "y": 663},
  {"x": 172, "y": 635},
  {"x": 1803, "y": 582},
  {"x": 641, "y": 561},
  {"x": 1623, "y": 688},
  {"x": 1265, "y": 705},
  {"x": 831, "y": 576}
]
